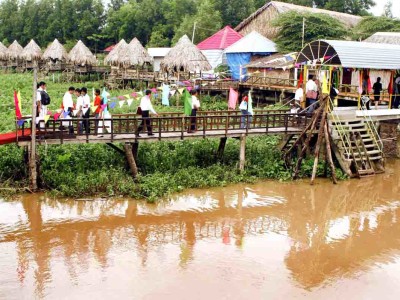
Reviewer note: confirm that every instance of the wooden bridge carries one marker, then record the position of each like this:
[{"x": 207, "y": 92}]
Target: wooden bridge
[{"x": 166, "y": 126}]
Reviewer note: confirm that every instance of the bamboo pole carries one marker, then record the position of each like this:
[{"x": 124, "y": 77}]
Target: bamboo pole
[
  {"x": 329, "y": 153},
  {"x": 318, "y": 146},
  {"x": 306, "y": 143},
  {"x": 131, "y": 159},
  {"x": 32, "y": 158},
  {"x": 242, "y": 155}
]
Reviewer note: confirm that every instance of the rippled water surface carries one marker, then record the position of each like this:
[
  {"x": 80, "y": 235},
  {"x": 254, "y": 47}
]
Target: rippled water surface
[{"x": 264, "y": 241}]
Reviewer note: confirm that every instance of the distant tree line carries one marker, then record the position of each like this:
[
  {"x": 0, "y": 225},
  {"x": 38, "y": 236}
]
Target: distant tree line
[{"x": 154, "y": 22}]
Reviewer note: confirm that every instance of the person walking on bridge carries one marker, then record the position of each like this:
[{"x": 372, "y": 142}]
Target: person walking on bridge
[
  {"x": 195, "y": 107},
  {"x": 246, "y": 117},
  {"x": 146, "y": 107}
]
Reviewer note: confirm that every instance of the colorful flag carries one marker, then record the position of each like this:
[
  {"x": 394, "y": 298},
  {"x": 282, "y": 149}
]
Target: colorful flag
[
  {"x": 250, "y": 104},
  {"x": 300, "y": 83},
  {"x": 325, "y": 84},
  {"x": 94, "y": 108},
  {"x": 165, "y": 94},
  {"x": 233, "y": 98},
  {"x": 46, "y": 118},
  {"x": 121, "y": 103},
  {"x": 19, "y": 101},
  {"x": 187, "y": 100},
  {"x": 21, "y": 122},
  {"x": 129, "y": 101},
  {"x": 181, "y": 91},
  {"x": 113, "y": 104},
  {"x": 17, "y": 106}
]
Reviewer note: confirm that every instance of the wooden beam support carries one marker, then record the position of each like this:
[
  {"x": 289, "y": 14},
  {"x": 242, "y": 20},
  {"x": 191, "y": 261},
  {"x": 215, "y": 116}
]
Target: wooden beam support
[
  {"x": 221, "y": 148},
  {"x": 131, "y": 159},
  {"x": 135, "y": 150},
  {"x": 242, "y": 156},
  {"x": 32, "y": 156},
  {"x": 119, "y": 150}
]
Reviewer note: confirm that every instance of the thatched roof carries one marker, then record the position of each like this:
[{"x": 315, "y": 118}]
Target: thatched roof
[
  {"x": 81, "y": 55},
  {"x": 3, "y": 52},
  {"x": 185, "y": 55},
  {"x": 137, "y": 54},
  {"x": 31, "y": 52},
  {"x": 55, "y": 51},
  {"x": 281, "y": 7},
  {"x": 274, "y": 61},
  {"x": 14, "y": 50},
  {"x": 116, "y": 54},
  {"x": 384, "y": 38}
]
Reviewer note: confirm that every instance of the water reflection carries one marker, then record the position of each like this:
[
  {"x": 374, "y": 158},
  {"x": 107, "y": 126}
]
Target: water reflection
[{"x": 330, "y": 231}]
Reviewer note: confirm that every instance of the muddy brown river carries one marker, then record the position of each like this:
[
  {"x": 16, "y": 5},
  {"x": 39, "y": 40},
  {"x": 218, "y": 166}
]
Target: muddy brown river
[{"x": 264, "y": 241}]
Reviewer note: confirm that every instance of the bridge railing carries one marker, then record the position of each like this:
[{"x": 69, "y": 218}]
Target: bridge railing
[{"x": 165, "y": 127}]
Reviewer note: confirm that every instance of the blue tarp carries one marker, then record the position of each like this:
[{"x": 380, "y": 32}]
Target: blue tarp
[{"x": 235, "y": 60}]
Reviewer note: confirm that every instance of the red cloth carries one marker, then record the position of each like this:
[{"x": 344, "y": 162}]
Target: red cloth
[
  {"x": 300, "y": 80},
  {"x": 97, "y": 102}
]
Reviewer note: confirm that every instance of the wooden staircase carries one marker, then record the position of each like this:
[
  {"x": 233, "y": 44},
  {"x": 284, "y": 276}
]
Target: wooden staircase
[{"x": 357, "y": 147}]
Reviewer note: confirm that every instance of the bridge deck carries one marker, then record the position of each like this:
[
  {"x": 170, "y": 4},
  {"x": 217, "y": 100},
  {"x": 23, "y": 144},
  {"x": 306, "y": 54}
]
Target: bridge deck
[{"x": 122, "y": 128}]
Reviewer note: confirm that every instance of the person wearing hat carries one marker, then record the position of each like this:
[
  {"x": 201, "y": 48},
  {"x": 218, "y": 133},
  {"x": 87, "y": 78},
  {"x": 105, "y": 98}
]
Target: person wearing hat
[{"x": 146, "y": 108}]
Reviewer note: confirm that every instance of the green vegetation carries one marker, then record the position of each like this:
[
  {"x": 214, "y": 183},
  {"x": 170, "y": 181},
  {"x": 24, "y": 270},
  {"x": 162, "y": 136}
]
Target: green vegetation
[
  {"x": 165, "y": 167},
  {"x": 370, "y": 25},
  {"x": 153, "y": 22},
  {"x": 318, "y": 26}
]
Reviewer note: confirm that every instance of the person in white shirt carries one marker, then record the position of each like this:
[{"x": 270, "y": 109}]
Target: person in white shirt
[
  {"x": 85, "y": 110},
  {"x": 298, "y": 96},
  {"x": 147, "y": 107},
  {"x": 246, "y": 115},
  {"x": 311, "y": 93},
  {"x": 195, "y": 107},
  {"x": 68, "y": 103},
  {"x": 41, "y": 109}
]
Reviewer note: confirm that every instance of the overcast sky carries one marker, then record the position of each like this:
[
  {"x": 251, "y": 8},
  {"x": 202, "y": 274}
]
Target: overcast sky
[{"x": 377, "y": 10}]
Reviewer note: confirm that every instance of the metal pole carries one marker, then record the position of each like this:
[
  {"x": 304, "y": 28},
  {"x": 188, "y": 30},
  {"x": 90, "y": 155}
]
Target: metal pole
[
  {"x": 194, "y": 29},
  {"x": 304, "y": 26},
  {"x": 32, "y": 160}
]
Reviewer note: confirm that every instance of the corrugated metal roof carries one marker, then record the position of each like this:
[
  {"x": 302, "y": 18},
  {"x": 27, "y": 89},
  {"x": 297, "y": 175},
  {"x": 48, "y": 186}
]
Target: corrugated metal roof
[
  {"x": 158, "y": 52},
  {"x": 252, "y": 43},
  {"x": 220, "y": 40},
  {"x": 352, "y": 54},
  {"x": 275, "y": 61}
]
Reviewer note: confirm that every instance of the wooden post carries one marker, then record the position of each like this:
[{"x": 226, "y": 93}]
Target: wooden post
[
  {"x": 221, "y": 148},
  {"x": 32, "y": 156},
  {"x": 135, "y": 149},
  {"x": 131, "y": 159},
  {"x": 242, "y": 155}
]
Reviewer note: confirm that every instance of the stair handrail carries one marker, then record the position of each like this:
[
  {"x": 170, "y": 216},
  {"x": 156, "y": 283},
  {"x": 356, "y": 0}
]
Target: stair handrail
[
  {"x": 372, "y": 129},
  {"x": 344, "y": 137}
]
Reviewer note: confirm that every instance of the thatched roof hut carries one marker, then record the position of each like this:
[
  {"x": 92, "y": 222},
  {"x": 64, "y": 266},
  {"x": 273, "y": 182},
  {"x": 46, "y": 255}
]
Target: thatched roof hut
[
  {"x": 56, "y": 52},
  {"x": 262, "y": 19},
  {"x": 14, "y": 51},
  {"x": 81, "y": 55},
  {"x": 137, "y": 54},
  {"x": 185, "y": 56},
  {"x": 3, "y": 52},
  {"x": 116, "y": 54},
  {"x": 31, "y": 52},
  {"x": 384, "y": 38}
]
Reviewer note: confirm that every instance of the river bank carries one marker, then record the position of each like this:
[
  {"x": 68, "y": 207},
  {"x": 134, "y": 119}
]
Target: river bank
[{"x": 165, "y": 168}]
